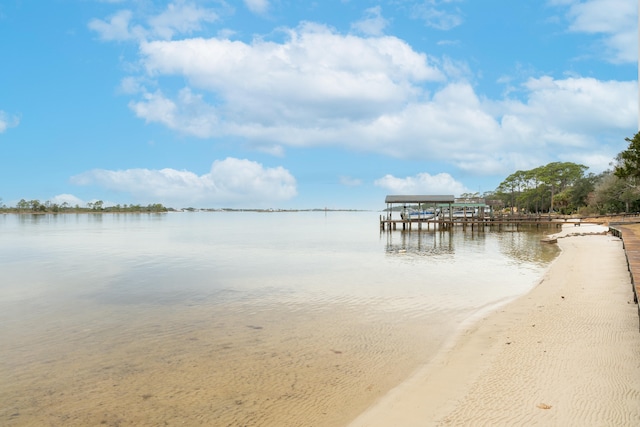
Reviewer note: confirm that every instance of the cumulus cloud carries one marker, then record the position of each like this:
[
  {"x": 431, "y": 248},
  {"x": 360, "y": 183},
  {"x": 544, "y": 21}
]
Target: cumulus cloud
[
  {"x": 317, "y": 74},
  {"x": 7, "y": 121},
  {"x": 317, "y": 79},
  {"x": 586, "y": 104},
  {"x": 368, "y": 92},
  {"x": 422, "y": 183},
  {"x": 615, "y": 20},
  {"x": 274, "y": 98},
  {"x": 230, "y": 182}
]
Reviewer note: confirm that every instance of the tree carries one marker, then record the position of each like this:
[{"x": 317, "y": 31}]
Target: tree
[
  {"x": 628, "y": 161},
  {"x": 535, "y": 190},
  {"x": 581, "y": 190},
  {"x": 36, "y": 205},
  {"x": 627, "y": 169},
  {"x": 560, "y": 175},
  {"x": 510, "y": 189},
  {"x": 609, "y": 194}
]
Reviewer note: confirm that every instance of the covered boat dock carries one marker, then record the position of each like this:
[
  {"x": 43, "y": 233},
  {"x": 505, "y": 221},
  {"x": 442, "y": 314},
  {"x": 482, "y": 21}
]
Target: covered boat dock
[
  {"x": 423, "y": 203},
  {"x": 445, "y": 211}
]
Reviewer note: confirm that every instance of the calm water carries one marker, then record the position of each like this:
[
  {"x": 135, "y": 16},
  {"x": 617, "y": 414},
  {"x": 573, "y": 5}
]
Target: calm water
[{"x": 275, "y": 319}]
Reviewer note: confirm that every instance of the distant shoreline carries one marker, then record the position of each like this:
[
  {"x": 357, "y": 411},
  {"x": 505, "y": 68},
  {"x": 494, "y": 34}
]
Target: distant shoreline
[{"x": 13, "y": 211}]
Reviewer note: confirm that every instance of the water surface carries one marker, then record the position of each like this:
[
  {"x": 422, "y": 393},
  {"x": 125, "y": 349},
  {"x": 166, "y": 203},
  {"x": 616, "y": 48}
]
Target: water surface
[{"x": 274, "y": 319}]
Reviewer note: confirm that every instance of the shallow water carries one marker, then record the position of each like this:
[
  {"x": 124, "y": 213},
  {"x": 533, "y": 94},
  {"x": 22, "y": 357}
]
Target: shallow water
[{"x": 234, "y": 318}]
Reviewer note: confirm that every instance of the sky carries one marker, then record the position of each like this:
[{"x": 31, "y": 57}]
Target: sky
[{"x": 291, "y": 104}]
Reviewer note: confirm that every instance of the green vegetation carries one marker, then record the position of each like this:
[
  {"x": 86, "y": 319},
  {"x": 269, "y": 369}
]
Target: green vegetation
[
  {"x": 563, "y": 187},
  {"x": 546, "y": 188},
  {"x": 35, "y": 206}
]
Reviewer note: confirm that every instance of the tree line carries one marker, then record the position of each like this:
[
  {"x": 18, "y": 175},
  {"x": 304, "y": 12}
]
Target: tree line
[
  {"x": 35, "y": 206},
  {"x": 563, "y": 187}
]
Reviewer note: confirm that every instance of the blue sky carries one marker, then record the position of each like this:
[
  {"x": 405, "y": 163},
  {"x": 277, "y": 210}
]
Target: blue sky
[{"x": 306, "y": 104}]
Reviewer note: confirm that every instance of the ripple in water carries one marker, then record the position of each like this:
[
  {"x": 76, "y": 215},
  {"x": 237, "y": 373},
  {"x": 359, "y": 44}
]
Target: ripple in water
[{"x": 233, "y": 319}]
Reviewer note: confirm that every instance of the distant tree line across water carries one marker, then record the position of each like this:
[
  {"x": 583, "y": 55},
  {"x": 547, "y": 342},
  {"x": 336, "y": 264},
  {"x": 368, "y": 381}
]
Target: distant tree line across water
[{"x": 35, "y": 206}]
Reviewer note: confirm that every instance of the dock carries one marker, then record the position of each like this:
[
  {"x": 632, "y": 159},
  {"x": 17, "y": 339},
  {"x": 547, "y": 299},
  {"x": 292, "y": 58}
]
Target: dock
[
  {"x": 498, "y": 221},
  {"x": 631, "y": 244},
  {"x": 417, "y": 212}
]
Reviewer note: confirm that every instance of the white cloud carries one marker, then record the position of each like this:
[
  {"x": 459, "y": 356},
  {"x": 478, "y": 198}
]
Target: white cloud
[
  {"x": 230, "y": 182},
  {"x": 315, "y": 69},
  {"x": 434, "y": 15},
  {"x": 131, "y": 86},
  {"x": 116, "y": 28},
  {"x": 371, "y": 94},
  {"x": 422, "y": 183},
  {"x": 257, "y": 6},
  {"x": 180, "y": 17},
  {"x": 188, "y": 114},
  {"x": 316, "y": 79},
  {"x": 274, "y": 98},
  {"x": 586, "y": 104},
  {"x": 615, "y": 20},
  {"x": 69, "y": 199},
  {"x": 373, "y": 24},
  {"x": 7, "y": 121},
  {"x": 377, "y": 94}
]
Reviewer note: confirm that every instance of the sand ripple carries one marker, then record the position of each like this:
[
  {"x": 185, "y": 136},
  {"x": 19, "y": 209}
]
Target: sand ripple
[
  {"x": 557, "y": 367},
  {"x": 232, "y": 364}
]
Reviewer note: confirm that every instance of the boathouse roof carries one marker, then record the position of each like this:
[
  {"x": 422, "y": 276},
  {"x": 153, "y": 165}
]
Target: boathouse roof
[{"x": 419, "y": 199}]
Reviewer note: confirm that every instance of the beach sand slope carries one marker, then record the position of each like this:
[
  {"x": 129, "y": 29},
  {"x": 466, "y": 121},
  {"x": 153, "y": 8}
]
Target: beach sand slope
[{"x": 565, "y": 354}]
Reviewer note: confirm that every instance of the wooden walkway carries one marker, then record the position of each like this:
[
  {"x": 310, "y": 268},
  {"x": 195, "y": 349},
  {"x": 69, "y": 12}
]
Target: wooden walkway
[{"x": 631, "y": 244}]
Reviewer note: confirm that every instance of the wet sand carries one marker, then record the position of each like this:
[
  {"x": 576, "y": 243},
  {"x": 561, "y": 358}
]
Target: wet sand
[
  {"x": 201, "y": 365},
  {"x": 567, "y": 353}
]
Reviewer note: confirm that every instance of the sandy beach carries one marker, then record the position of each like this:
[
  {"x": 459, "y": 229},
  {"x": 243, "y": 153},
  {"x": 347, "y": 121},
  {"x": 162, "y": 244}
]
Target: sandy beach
[{"x": 565, "y": 354}]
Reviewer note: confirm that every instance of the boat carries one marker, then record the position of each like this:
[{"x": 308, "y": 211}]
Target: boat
[
  {"x": 463, "y": 214},
  {"x": 420, "y": 215}
]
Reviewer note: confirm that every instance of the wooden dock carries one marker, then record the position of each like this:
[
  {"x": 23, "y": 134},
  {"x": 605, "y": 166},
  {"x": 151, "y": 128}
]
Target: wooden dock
[
  {"x": 417, "y": 212},
  {"x": 631, "y": 245},
  {"x": 389, "y": 224}
]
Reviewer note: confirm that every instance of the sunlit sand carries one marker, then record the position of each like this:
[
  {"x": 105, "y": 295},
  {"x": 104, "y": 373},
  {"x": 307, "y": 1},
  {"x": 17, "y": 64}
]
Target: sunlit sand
[{"x": 567, "y": 353}]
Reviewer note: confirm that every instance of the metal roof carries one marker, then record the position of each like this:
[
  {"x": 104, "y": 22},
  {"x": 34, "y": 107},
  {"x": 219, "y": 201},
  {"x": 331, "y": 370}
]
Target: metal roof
[{"x": 419, "y": 199}]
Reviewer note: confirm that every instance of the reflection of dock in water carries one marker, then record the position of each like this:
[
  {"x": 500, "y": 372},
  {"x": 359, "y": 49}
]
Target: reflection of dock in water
[{"x": 430, "y": 243}]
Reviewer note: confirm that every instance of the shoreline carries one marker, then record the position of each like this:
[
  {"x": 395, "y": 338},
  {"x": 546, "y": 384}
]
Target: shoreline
[{"x": 565, "y": 353}]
